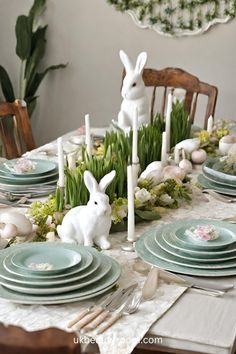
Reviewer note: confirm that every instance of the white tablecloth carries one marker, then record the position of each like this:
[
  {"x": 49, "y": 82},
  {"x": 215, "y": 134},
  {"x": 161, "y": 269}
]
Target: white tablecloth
[{"x": 196, "y": 322}]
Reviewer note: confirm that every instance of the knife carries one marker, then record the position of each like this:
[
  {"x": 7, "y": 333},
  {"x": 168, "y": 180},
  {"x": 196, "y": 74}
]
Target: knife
[
  {"x": 193, "y": 282},
  {"x": 93, "y": 311}
]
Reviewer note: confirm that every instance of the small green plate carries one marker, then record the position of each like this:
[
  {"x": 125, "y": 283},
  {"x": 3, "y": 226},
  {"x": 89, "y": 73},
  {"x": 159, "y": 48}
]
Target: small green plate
[
  {"x": 206, "y": 183},
  {"x": 46, "y": 259},
  {"x": 148, "y": 257},
  {"x": 227, "y": 234},
  {"x": 194, "y": 258},
  {"x": 219, "y": 181},
  {"x": 59, "y": 279},
  {"x": 26, "y": 180},
  {"x": 85, "y": 252},
  {"x": 153, "y": 248},
  {"x": 41, "y": 167},
  {"x": 48, "y": 289}
]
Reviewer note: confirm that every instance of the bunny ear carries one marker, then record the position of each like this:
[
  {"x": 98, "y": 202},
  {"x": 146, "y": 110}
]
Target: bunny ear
[
  {"x": 126, "y": 62},
  {"x": 106, "y": 180},
  {"x": 90, "y": 182},
  {"x": 140, "y": 63}
]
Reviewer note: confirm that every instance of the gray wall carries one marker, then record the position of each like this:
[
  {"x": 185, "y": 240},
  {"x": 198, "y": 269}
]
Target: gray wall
[{"x": 88, "y": 35}]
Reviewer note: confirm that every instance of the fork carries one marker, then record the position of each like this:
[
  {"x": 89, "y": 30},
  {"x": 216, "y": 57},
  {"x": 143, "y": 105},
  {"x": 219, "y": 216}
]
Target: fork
[{"x": 221, "y": 197}]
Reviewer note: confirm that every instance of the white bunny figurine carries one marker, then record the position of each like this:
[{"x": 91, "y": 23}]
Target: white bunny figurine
[
  {"x": 133, "y": 92},
  {"x": 91, "y": 223}
]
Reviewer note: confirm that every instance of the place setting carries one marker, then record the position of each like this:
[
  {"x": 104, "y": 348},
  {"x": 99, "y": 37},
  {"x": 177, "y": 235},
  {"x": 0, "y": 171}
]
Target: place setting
[{"x": 55, "y": 273}]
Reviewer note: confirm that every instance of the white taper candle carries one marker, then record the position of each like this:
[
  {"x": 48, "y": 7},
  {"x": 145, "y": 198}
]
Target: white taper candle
[
  {"x": 130, "y": 192},
  {"x": 168, "y": 121},
  {"x": 210, "y": 124},
  {"x": 88, "y": 141},
  {"x": 163, "y": 149},
  {"x": 60, "y": 154}
]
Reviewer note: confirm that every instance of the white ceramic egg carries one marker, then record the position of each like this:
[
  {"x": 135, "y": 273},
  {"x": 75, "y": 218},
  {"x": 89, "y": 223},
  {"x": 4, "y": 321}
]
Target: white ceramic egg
[
  {"x": 186, "y": 166},
  {"x": 153, "y": 171},
  {"x": 199, "y": 156},
  {"x": 174, "y": 172}
]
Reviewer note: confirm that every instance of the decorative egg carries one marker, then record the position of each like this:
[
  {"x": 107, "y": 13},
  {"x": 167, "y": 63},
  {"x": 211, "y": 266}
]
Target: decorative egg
[
  {"x": 9, "y": 231},
  {"x": 199, "y": 156},
  {"x": 153, "y": 171},
  {"x": 23, "y": 224},
  {"x": 186, "y": 166},
  {"x": 174, "y": 172},
  {"x": 189, "y": 145}
]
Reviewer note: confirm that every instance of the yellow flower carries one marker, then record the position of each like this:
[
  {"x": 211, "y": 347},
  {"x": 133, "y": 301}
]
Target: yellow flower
[{"x": 204, "y": 136}]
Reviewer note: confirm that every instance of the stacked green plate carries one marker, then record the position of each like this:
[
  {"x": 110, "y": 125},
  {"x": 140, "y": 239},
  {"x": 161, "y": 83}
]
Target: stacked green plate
[
  {"x": 169, "y": 247},
  {"x": 44, "y": 175},
  {"x": 213, "y": 178},
  {"x": 53, "y": 273}
]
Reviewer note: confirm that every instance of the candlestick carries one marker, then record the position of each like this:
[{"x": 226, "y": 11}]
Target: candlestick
[
  {"x": 60, "y": 162},
  {"x": 163, "y": 149},
  {"x": 130, "y": 191},
  {"x": 176, "y": 156},
  {"x": 210, "y": 124},
  {"x": 168, "y": 121},
  {"x": 88, "y": 141}
]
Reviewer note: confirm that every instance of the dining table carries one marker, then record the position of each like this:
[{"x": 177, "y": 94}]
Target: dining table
[{"x": 178, "y": 320}]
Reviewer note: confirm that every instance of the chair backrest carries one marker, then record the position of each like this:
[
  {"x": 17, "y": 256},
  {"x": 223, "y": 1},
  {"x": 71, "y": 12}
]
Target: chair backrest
[
  {"x": 173, "y": 78},
  {"x": 15, "y": 340},
  {"x": 16, "y": 132}
]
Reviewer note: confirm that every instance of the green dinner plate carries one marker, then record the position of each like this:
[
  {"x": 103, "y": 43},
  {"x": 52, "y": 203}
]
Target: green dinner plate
[
  {"x": 23, "y": 184},
  {"x": 194, "y": 258},
  {"x": 56, "y": 260},
  {"x": 48, "y": 289},
  {"x": 41, "y": 167},
  {"x": 206, "y": 183},
  {"x": 209, "y": 168},
  {"x": 148, "y": 257},
  {"x": 227, "y": 234},
  {"x": 218, "y": 181},
  {"x": 53, "y": 280},
  {"x": 85, "y": 252},
  {"x": 26, "y": 180},
  {"x": 153, "y": 248}
]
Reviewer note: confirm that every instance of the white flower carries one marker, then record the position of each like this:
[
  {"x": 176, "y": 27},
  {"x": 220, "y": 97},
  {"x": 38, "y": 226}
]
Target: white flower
[
  {"x": 166, "y": 199},
  {"x": 142, "y": 195}
]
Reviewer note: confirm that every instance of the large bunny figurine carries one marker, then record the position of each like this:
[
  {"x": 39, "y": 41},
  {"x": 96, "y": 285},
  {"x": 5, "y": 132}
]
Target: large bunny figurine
[
  {"x": 133, "y": 92},
  {"x": 91, "y": 223}
]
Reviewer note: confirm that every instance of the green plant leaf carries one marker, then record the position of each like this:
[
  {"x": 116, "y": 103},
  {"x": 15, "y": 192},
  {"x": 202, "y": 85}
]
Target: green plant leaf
[
  {"x": 23, "y": 37},
  {"x": 35, "y": 12},
  {"x": 6, "y": 85},
  {"x": 147, "y": 214},
  {"x": 36, "y": 80}
]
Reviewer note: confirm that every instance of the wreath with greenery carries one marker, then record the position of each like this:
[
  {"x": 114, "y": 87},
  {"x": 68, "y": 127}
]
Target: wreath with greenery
[{"x": 177, "y": 17}]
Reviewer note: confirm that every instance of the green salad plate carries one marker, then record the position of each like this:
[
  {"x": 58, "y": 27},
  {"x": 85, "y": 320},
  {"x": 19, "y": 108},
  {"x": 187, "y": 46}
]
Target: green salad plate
[{"x": 40, "y": 167}]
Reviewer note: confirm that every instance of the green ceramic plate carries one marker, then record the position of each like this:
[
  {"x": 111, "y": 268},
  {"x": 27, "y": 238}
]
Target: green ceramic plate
[
  {"x": 169, "y": 238},
  {"x": 218, "y": 181},
  {"x": 206, "y": 183},
  {"x": 95, "y": 289},
  {"x": 85, "y": 252},
  {"x": 53, "y": 280},
  {"x": 226, "y": 231},
  {"x": 208, "y": 167},
  {"x": 26, "y": 180},
  {"x": 46, "y": 259},
  {"x": 23, "y": 185},
  {"x": 153, "y": 248},
  {"x": 41, "y": 167},
  {"x": 148, "y": 257},
  {"x": 200, "y": 258},
  {"x": 48, "y": 289}
]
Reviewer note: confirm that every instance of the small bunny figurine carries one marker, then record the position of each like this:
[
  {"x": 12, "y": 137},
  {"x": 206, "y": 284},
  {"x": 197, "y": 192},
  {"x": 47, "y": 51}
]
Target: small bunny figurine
[
  {"x": 133, "y": 92},
  {"x": 91, "y": 223}
]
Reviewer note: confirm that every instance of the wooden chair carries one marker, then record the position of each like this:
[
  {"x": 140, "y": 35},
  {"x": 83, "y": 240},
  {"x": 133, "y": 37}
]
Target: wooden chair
[
  {"x": 16, "y": 132},
  {"x": 171, "y": 78},
  {"x": 15, "y": 340}
]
